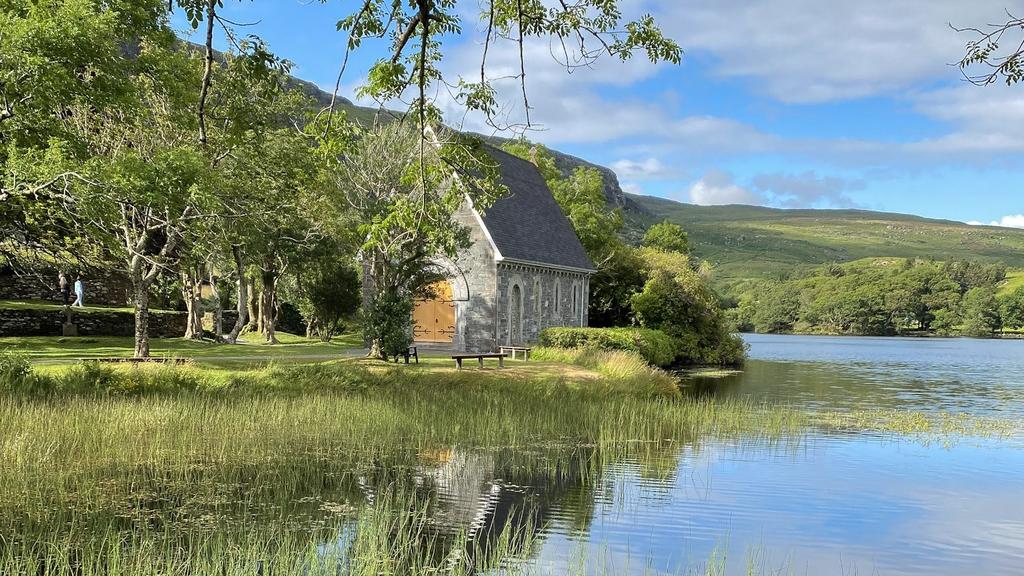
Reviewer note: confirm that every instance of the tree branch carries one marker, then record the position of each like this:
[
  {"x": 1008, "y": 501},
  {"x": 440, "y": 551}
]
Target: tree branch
[{"x": 204, "y": 89}]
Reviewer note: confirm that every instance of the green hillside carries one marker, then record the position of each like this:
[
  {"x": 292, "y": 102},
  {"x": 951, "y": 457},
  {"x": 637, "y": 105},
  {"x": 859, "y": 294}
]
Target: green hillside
[{"x": 751, "y": 242}]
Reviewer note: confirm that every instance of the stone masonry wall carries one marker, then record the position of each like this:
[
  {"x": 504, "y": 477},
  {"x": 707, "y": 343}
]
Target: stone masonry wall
[
  {"x": 35, "y": 322},
  {"x": 540, "y": 310},
  {"x": 102, "y": 287},
  {"x": 474, "y": 281}
]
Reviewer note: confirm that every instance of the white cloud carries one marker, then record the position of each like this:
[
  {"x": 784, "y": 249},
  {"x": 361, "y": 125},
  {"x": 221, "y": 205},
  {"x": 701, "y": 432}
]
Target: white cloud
[
  {"x": 641, "y": 170},
  {"x": 797, "y": 51},
  {"x": 983, "y": 119},
  {"x": 717, "y": 187},
  {"x": 1008, "y": 221},
  {"x": 807, "y": 190},
  {"x": 814, "y": 51}
]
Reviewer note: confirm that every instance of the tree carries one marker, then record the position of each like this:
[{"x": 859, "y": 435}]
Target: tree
[
  {"x": 997, "y": 49},
  {"x": 677, "y": 300},
  {"x": 260, "y": 158},
  {"x": 969, "y": 274},
  {"x": 417, "y": 30},
  {"x": 612, "y": 287},
  {"x": 778, "y": 309},
  {"x": 1012, "y": 309},
  {"x": 980, "y": 313},
  {"x": 329, "y": 289},
  {"x": 668, "y": 237},
  {"x": 403, "y": 193},
  {"x": 57, "y": 58}
]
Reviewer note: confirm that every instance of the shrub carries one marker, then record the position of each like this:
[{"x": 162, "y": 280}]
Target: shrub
[
  {"x": 677, "y": 301},
  {"x": 387, "y": 324},
  {"x": 114, "y": 379},
  {"x": 15, "y": 372},
  {"x": 654, "y": 346},
  {"x": 331, "y": 295}
]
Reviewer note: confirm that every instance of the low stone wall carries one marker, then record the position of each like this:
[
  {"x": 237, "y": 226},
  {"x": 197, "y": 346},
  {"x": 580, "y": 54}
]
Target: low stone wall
[
  {"x": 103, "y": 287},
  {"x": 34, "y": 322},
  {"x": 229, "y": 318}
]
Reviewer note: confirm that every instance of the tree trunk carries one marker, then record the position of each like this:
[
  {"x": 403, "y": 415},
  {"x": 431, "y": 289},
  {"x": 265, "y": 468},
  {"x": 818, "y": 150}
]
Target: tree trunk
[
  {"x": 252, "y": 303},
  {"x": 218, "y": 310},
  {"x": 243, "y": 297},
  {"x": 259, "y": 311},
  {"x": 218, "y": 321},
  {"x": 191, "y": 291},
  {"x": 268, "y": 306},
  {"x": 141, "y": 291}
]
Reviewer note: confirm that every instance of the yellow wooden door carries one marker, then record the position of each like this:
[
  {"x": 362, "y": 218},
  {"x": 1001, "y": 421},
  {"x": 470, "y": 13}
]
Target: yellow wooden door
[{"x": 434, "y": 319}]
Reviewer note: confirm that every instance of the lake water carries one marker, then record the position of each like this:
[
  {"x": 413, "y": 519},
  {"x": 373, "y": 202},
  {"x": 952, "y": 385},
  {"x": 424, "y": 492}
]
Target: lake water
[
  {"x": 817, "y": 504},
  {"x": 981, "y": 377},
  {"x": 828, "y": 504}
]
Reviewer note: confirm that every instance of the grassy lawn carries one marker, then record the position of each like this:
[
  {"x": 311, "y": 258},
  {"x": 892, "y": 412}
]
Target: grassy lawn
[
  {"x": 51, "y": 349},
  {"x": 221, "y": 359}
]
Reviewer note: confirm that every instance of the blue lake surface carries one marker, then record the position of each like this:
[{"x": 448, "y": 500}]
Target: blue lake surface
[
  {"x": 981, "y": 377},
  {"x": 825, "y": 504}
]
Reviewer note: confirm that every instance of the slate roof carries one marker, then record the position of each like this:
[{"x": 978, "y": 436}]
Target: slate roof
[{"x": 528, "y": 223}]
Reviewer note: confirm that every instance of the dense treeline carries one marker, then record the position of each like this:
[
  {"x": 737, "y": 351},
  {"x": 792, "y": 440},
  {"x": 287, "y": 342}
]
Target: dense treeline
[{"x": 885, "y": 297}]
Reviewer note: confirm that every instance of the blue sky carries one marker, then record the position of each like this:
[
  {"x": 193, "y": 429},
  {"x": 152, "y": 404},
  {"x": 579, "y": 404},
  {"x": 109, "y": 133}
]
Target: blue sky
[{"x": 789, "y": 103}]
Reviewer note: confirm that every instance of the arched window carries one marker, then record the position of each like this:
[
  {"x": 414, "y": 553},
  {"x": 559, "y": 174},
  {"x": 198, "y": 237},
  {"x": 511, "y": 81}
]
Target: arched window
[
  {"x": 515, "y": 316},
  {"x": 575, "y": 299},
  {"x": 537, "y": 294},
  {"x": 558, "y": 296}
]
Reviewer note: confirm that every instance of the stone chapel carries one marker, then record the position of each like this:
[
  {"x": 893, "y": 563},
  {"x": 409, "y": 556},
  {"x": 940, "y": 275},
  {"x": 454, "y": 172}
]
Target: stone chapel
[{"x": 524, "y": 271}]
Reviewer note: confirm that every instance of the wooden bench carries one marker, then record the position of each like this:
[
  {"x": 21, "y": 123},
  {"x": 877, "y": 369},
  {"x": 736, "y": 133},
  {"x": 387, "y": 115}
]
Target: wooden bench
[
  {"x": 460, "y": 357},
  {"x": 411, "y": 352},
  {"x": 513, "y": 350}
]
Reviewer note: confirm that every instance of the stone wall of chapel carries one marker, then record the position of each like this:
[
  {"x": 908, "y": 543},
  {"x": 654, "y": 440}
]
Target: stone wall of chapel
[
  {"x": 474, "y": 312},
  {"x": 540, "y": 309}
]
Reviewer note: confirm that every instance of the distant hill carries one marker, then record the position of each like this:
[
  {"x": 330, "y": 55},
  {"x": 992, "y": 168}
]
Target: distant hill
[{"x": 753, "y": 242}]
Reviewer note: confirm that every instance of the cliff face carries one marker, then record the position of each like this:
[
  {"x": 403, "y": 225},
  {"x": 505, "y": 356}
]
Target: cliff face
[
  {"x": 612, "y": 191},
  {"x": 636, "y": 218}
]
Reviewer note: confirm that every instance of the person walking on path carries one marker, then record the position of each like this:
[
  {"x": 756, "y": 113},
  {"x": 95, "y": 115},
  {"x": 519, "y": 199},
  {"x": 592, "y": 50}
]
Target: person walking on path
[
  {"x": 79, "y": 292},
  {"x": 65, "y": 288}
]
